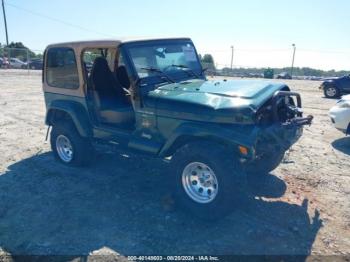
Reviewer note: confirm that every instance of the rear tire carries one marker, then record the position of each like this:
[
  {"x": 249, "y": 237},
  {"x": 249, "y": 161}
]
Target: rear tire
[
  {"x": 69, "y": 147},
  {"x": 331, "y": 91},
  {"x": 208, "y": 180}
]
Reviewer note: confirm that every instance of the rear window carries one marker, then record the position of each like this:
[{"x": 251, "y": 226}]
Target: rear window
[{"x": 61, "y": 68}]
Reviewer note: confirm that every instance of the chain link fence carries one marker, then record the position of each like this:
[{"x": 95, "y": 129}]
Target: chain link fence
[{"x": 20, "y": 58}]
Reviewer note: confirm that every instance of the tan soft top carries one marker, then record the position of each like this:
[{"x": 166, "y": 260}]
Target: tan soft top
[
  {"x": 108, "y": 42},
  {"x": 78, "y": 47}
]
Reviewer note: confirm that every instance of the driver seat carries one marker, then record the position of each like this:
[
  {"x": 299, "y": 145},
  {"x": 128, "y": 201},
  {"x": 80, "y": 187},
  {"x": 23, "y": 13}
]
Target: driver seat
[{"x": 110, "y": 102}]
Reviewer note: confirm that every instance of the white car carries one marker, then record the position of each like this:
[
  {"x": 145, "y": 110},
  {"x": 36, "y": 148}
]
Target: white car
[
  {"x": 340, "y": 114},
  {"x": 16, "y": 63}
]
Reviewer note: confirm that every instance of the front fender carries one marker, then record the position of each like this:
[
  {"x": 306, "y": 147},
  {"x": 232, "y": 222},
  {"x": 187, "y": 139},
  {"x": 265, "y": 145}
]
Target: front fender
[
  {"x": 77, "y": 113},
  {"x": 330, "y": 83},
  {"x": 229, "y": 135}
]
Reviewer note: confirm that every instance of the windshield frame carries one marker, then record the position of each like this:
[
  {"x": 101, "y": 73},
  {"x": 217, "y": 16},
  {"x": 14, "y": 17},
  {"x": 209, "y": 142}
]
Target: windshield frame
[{"x": 156, "y": 78}]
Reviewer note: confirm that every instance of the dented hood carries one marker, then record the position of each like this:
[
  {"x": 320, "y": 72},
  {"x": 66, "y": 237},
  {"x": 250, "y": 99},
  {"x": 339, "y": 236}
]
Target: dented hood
[{"x": 218, "y": 101}]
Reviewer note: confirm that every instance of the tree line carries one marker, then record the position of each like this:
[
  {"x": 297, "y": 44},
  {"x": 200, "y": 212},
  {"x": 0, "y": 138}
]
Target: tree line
[
  {"x": 207, "y": 61},
  {"x": 18, "y": 50}
]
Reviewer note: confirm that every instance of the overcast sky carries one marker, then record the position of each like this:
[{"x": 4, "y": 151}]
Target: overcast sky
[{"x": 262, "y": 32}]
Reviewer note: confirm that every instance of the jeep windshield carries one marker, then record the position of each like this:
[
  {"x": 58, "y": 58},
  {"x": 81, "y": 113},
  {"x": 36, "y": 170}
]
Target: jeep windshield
[{"x": 168, "y": 61}]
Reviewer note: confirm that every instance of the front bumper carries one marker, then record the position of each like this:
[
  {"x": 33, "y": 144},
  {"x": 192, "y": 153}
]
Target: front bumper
[
  {"x": 279, "y": 137},
  {"x": 282, "y": 135}
]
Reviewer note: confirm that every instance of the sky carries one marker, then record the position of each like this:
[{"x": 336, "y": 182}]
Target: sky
[{"x": 261, "y": 32}]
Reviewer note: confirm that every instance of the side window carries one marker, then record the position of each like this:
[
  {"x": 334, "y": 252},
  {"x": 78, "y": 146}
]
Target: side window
[
  {"x": 90, "y": 54},
  {"x": 61, "y": 68}
]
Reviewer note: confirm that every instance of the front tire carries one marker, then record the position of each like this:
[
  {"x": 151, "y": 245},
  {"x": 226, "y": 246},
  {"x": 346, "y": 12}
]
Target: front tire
[
  {"x": 69, "y": 147},
  {"x": 209, "y": 182},
  {"x": 331, "y": 91}
]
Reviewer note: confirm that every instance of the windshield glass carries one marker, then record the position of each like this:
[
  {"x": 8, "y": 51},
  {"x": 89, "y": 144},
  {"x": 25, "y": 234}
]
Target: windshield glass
[{"x": 155, "y": 59}]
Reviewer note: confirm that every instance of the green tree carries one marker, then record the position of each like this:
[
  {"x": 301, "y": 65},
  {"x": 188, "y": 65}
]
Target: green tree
[
  {"x": 18, "y": 50},
  {"x": 208, "y": 61}
]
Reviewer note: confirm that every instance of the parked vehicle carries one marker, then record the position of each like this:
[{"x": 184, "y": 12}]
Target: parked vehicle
[
  {"x": 268, "y": 73},
  {"x": 284, "y": 75},
  {"x": 340, "y": 115},
  {"x": 334, "y": 88},
  {"x": 254, "y": 75},
  {"x": 152, "y": 97},
  {"x": 18, "y": 64},
  {"x": 36, "y": 64}
]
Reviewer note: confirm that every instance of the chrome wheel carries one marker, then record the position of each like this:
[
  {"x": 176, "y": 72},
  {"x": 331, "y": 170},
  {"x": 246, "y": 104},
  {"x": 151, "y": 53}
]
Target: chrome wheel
[
  {"x": 331, "y": 91},
  {"x": 199, "y": 182},
  {"x": 64, "y": 148}
]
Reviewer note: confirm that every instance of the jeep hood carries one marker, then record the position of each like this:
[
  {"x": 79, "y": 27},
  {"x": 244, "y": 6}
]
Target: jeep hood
[{"x": 215, "y": 101}]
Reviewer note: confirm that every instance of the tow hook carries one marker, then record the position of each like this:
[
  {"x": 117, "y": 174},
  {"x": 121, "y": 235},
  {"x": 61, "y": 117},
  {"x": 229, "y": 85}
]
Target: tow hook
[{"x": 299, "y": 121}]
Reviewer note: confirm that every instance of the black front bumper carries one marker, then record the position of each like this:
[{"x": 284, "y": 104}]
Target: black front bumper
[
  {"x": 299, "y": 120},
  {"x": 280, "y": 136}
]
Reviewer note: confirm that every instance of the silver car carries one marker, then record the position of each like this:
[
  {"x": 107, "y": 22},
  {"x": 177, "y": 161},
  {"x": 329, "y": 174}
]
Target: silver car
[{"x": 17, "y": 63}]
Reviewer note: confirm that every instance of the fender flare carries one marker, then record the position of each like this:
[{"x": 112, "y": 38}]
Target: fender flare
[
  {"x": 77, "y": 113},
  {"x": 331, "y": 84},
  {"x": 198, "y": 131}
]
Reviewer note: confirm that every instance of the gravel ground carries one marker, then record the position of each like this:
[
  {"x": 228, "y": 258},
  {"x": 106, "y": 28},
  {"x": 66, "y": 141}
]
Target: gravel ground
[{"x": 121, "y": 203}]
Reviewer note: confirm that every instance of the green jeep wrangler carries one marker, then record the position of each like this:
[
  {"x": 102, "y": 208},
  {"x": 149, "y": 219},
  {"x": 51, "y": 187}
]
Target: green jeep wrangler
[{"x": 152, "y": 97}]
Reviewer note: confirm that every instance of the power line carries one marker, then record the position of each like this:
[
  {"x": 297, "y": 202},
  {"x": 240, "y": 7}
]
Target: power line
[
  {"x": 108, "y": 35},
  {"x": 57, "y": 20}
]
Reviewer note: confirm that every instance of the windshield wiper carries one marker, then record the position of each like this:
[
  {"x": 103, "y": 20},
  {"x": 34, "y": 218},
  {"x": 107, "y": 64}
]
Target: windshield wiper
[
  {"x": 189, "y": 70},
  {"x": 152, "y": 69}
]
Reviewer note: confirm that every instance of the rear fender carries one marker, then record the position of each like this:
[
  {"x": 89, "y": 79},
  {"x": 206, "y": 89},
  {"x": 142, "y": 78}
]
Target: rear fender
[{"x": 75, "y": 111}]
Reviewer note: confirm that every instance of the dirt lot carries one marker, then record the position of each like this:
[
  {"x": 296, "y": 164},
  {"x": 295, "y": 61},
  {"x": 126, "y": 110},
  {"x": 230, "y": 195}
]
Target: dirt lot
[{"x": 121, "y": 203}]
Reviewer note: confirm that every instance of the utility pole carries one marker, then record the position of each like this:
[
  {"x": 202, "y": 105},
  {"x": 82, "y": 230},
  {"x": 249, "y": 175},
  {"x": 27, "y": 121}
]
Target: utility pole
[
  {"x": 291, "y": 71},
  {"x": 4, "y": 13},
  {"x": 232, "y": 57}
]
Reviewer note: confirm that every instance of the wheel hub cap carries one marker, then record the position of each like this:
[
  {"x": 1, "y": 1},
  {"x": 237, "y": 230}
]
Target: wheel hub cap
[
  {"x": 64, "y": 148},
  {"x": 199, "y": 182},
  {"x": 331, "y": 91}
]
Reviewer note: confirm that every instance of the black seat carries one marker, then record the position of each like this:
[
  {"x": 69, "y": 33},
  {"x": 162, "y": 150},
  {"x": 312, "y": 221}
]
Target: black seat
[
  {"x": 109, "y": 97},
  {"x": 103, "y": 82}
]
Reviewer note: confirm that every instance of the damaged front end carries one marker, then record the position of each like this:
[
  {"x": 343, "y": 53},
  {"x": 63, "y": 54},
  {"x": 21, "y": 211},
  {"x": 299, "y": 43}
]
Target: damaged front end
[{"x": 281, "y": 124}]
